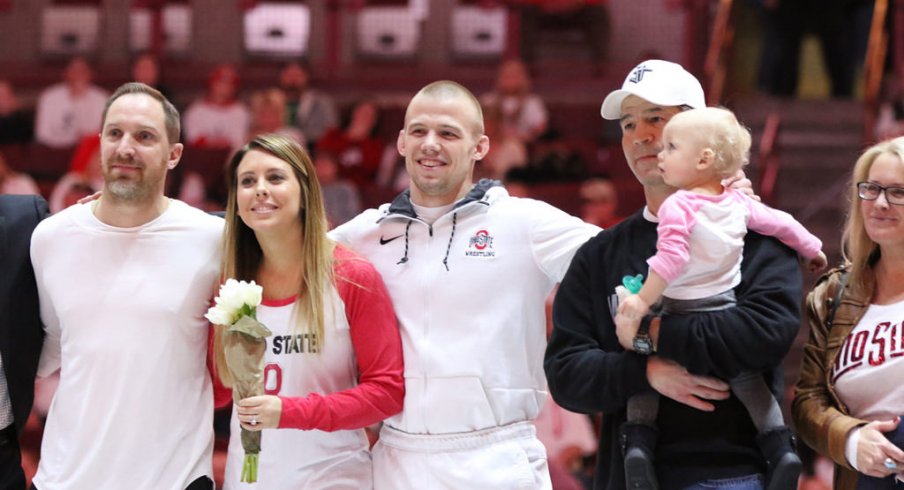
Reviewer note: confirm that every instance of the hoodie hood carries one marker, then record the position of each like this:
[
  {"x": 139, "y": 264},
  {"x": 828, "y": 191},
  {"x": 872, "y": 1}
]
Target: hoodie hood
[{"x": 401, "y": 205}]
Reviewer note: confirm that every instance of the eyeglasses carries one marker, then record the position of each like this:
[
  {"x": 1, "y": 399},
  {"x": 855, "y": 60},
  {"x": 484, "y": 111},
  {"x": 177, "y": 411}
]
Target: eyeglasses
[{"x": 869, "y": 191}]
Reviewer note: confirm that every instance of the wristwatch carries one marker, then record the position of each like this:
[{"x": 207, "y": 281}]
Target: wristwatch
[{"x": 643, "y": 343}]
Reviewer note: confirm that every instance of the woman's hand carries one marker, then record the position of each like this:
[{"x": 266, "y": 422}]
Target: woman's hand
[
  {"x": 259, "y": 412},
  {"x": 873, "y": 449}
]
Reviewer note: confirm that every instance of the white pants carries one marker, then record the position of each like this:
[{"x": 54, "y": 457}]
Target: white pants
[{"x": 500, "y": 458}]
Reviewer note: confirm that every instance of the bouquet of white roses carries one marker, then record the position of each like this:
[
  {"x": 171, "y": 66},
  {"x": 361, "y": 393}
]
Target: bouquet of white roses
[{"x": 244, "y": 340}]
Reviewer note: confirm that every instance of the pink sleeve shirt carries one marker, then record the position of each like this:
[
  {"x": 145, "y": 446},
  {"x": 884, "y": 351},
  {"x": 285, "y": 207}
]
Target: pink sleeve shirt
[{"x": 701, "y": 240}]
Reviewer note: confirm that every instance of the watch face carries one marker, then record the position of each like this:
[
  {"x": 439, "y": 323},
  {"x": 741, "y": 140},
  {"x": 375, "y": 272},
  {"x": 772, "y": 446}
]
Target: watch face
[{"x": 643, "y": 345}]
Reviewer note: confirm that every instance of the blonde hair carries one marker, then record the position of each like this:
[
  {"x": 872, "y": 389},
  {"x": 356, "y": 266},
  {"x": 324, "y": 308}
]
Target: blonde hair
[
  {"x": 242, "y": 254},
  {"x": 719, "y": 130},
  {"x": 857, "y": 248}
]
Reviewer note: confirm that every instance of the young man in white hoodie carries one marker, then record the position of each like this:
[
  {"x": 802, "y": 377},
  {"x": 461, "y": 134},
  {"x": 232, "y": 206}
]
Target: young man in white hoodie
[{"x": 468, "y": 268}]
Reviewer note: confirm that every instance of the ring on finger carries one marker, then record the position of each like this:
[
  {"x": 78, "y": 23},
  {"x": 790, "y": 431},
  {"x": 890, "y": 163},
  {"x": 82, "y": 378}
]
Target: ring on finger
[
  {"x": 890, "y": 464},
  {"x": 254, "y": 421}
]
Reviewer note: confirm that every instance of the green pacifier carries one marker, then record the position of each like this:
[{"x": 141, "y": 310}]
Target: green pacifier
[{"x": 633, "y": 283}]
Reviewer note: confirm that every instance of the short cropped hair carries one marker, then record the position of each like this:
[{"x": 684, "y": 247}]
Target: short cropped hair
[
  {"x": 170, "y": 113},
  {"x": 445, "y": 89}
]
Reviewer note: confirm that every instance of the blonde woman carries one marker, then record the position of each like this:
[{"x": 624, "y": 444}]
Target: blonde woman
[
  {"x": 334, "y": 362},
  {"x": 849, "y": 397}
]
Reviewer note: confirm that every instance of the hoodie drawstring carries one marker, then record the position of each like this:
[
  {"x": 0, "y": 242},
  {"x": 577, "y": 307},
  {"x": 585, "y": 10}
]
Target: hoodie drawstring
[
  {"x": 449, "y": 245},
  {"x": 405, "y": 257}
]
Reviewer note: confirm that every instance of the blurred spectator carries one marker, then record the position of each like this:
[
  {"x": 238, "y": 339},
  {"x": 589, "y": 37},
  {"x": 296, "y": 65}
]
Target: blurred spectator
[
  {"x": 308, "y": 109},
  {"x": 568, "y": 436},
  {"x": 340, "y": 196},
  {"x": 268, "y": 109},
  {"x": 218, "y": 120},
  {"x": 818, "y": 470},
  {"x": 70, "y": 110},
  {"x": 599, "y": 202},
  {"x": 590, "y": 16},
  {"x": 12, "y": 182},
  {"x": 358, "y": 150},
  {"x": 146, "y": 69},
  {"x": 523, "y": 113},
  {"x": 16, "y": 124},
  {"x": 517, "y": 184},
  {"x": 890, "y": 120},
  {"x": 506, "y": 151},
  {"x": 392, "y": 174},
  {"x": 85, "y": 176},
  {"x": 785, "y": 24}
]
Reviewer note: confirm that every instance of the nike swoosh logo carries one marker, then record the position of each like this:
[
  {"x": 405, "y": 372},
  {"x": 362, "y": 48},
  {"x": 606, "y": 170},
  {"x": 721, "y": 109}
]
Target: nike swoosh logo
[{"x": 384, "y": 241}]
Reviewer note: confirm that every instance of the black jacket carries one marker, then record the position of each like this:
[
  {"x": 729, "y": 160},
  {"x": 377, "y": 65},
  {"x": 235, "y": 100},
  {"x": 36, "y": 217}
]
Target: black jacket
[
  {"x": 21, "y": 332},
  {"x": 588, "y": 371}
]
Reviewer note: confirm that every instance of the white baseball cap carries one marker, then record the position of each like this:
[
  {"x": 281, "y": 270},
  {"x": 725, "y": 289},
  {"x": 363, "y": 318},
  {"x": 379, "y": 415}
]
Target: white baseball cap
[{"x": 660, "y": 82}]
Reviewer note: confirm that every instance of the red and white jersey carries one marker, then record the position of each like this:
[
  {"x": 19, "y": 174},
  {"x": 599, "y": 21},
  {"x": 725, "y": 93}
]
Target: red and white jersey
[
  {"x": 870, "y": 364},
  {"x": 331, "y": 388}
]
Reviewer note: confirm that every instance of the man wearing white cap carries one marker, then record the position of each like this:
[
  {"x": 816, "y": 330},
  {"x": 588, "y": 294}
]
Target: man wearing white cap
[{"x": 705, "y": 438}]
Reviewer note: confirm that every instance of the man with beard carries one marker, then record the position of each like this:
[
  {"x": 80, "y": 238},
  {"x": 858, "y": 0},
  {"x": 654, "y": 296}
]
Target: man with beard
[
  {"x": 308, "y": 109},
  {"x": 123, "y": 283}
]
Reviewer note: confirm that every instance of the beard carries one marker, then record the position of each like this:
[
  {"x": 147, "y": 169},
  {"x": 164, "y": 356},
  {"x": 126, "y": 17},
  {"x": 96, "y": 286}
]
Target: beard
[{"x": 130, "y": 189}]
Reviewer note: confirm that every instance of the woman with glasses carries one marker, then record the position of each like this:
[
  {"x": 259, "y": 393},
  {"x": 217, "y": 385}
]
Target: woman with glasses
[{"x": 850, "y": 395}]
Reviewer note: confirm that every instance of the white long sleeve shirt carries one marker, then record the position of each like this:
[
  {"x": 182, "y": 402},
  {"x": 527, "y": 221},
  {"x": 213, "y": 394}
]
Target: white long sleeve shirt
[{"x": 123, "y": 312}]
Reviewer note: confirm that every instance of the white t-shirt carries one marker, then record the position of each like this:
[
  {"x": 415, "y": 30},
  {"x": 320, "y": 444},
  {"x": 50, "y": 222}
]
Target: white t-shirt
[
  {"x": 123, "y": 312},
  {"x": 870, "y": 364}
]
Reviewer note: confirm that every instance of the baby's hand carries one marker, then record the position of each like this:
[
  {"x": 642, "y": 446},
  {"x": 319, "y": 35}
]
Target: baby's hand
[
  {"x": 631, "y": 310},
  {"x": 817, "y": 263}
]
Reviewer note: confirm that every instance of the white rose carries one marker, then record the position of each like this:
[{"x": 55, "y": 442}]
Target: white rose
[
  {"x": 251, "y": 294},
  {"x": 218, "y": 316},
  {"x": 230, "y": 296}
]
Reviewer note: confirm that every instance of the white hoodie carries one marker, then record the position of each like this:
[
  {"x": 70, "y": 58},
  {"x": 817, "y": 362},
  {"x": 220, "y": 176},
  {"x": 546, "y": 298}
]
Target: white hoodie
[{"x": 469, "y": 293}]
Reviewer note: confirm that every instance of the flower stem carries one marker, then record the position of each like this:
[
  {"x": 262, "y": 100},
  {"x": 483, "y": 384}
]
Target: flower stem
[{"x": 249, "y": 468}]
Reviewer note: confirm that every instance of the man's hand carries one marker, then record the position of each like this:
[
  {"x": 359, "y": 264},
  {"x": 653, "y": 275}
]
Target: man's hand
[
  {"x": 672, "y": 380},
  {"x": 740, "y": 182},
  {"x": 92, "y": 197},
  {"x": 631, "y": 309}
]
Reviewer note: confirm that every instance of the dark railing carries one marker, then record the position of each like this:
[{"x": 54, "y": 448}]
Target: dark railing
[
  {"x": 720, "y": 43},
  {"x": 769, "y": 157},
  {"x": 874, "y": 67}
]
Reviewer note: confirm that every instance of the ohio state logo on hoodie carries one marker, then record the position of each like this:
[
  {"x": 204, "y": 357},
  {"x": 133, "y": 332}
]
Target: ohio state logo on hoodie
[{"x": 480, "y": 245}]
